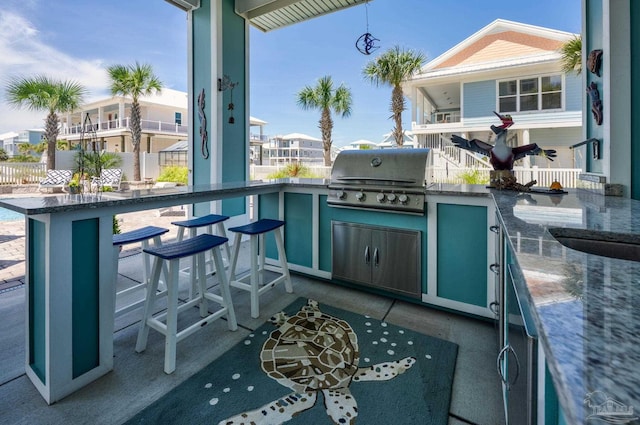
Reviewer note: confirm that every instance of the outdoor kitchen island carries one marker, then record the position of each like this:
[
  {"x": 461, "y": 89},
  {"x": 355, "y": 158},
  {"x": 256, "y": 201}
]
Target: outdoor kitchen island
[{"x": 582, "y": 305}]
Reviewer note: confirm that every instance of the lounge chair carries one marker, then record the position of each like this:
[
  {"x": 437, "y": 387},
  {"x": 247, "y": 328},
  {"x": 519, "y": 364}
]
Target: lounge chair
[
  {"x": 109, "y": 177},
  {"x": 56, "y": 179}
]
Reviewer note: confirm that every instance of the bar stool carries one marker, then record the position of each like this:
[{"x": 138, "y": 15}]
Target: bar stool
[
  {"x": 257, "y": 286},
  {"x": 167, "y": 323},
  {"x": 144, "y": 235},
  {"x": 193, "y": 224}
]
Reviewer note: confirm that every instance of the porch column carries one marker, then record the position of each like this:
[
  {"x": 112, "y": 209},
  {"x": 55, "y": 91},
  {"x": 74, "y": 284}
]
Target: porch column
[{"x": 526, "y": 161}]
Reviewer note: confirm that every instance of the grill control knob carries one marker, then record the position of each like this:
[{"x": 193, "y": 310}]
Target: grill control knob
[
  {"x": 341, "y": 194},
  {"x": 381, "y": 197},
  {"x": 392, "y": 197},
  {"x": 360, "y": 196},
  {"x": 403, "y": 199}
]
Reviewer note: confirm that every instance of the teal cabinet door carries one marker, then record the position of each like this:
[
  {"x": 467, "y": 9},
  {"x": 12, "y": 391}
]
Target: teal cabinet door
[{"x": 461, "y": 250}]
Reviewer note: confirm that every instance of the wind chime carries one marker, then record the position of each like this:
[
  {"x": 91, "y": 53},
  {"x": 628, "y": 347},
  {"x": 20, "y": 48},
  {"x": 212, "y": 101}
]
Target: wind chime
[
  {"x": 225, "y": 83},
  {"x": 366, "y": 43}
]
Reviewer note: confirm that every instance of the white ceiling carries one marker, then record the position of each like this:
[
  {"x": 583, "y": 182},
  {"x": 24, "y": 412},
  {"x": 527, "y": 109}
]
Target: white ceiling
[{"x": 268, "y": 15}]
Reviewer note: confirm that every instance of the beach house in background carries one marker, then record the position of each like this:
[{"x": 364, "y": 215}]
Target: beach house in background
[
  {"x": 507, "y": 67},
  {"x": 294, "y": 147},
  {"x": 164, "y": 122},
  {"x": 10, "y": 141}
]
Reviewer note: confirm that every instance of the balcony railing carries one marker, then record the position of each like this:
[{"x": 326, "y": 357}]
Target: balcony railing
[{"x": 123, "y": 124}]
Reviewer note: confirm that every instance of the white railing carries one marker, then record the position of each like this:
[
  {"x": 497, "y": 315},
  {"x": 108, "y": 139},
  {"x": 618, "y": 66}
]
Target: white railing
[
  {"x": 120, "y": 124},
  {"x": 567, "y": 177},
  {"x": 21, "y": 172}
]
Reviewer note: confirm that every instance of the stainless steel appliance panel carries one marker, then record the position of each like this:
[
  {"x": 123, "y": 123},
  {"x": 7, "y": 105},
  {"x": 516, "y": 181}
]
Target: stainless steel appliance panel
[
  {"x": 381, "y": 257},
  {"x": 395, "y": 261},
  {"x": 351, "y": 253}
]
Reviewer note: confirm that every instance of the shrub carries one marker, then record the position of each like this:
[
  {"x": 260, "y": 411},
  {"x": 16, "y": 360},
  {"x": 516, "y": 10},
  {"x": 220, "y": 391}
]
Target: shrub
[
  {"x": 174, "y": 174},
  {"x": 293, "y": 170},
  {"x": 473, "y": 177}
]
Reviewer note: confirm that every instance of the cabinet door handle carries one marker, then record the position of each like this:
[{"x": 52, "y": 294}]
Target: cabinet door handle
[
  {"x": 495, "y": 267},
  {"x": 376, "y": 258},
  {"x": 494, "y": 228},
  {"x": 508, "y": 383},
  {"x": 494, "y": 307},
  {"x": 367, "y": 256}
]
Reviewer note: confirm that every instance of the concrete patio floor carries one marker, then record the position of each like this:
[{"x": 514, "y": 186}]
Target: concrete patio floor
[{"x": 138, "y": 379}]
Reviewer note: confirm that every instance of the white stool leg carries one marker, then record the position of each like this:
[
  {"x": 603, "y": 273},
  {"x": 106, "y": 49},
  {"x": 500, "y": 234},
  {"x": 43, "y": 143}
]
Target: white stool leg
[
  {"x": 234, "y": 256},
  {"x": 192, "y": 275},
  {"x": 202, "y": 282},
  {"x": 261, "y": 249},
  {"x": 283, "y": 261},
  {"x": 172, "y": 317},
  {"x": 224, "y": 289},
  {"x": 116, "y": 258},
  {"x": 180, "y": 234},
  {"x": 149, "y": 304},
  {"x": 222, "y": 232},
  {"x": 157, "y": 241},
  {"x": 255, "y": 274}
]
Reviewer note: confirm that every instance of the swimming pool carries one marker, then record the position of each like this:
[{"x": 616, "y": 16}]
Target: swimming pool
[{"x": 8, "y": 215}]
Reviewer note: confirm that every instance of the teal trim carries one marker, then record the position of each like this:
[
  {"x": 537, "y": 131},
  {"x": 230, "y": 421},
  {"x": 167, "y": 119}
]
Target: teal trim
[
  {"x": 635, "y": 98},
  {"x": 202, "y": 79},
  {"x": 298, "y": 241},
  {"x": 594, "y": 40},
  {"x": 85, "y": 297},
  {"x": 462, "y": 253},
  {"x": 234, "y": 137},
  {"x": 551, "y": 405},
  {"x": 324, "y": 234},
  {"x": 36, "y": 298},
  {"x": 268, "y": 207}
]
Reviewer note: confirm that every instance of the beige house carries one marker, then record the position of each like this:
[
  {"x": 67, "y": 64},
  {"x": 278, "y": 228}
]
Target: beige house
[{"x": 164, "y": 122}]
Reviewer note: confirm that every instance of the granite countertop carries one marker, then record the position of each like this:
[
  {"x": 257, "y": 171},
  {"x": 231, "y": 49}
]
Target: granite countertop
[{"x": 585, "y": 307}]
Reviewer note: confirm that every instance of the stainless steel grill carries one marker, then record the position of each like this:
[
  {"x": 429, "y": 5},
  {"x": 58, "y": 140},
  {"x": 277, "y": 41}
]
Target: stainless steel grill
[{"x": 381, "y": 179}]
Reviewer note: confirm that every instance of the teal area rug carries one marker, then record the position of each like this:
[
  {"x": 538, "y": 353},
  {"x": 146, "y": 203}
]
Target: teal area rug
[{"x": 316, "y": 364}]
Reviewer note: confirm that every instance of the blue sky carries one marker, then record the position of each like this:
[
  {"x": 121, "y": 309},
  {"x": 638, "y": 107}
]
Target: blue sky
[{"x": 74, "y": 39}]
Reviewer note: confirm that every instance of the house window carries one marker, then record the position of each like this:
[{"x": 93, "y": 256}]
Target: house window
[
  {"x": 179, "y": 118},
  {"x": 530, "y": 94}
]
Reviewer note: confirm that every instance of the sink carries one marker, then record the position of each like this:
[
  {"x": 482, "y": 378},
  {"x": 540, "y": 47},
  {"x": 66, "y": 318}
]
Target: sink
[{"x": 623, "y": 246}]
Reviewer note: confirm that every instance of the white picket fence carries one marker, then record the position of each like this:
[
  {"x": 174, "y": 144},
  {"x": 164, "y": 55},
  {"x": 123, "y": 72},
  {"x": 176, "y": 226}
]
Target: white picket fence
[
  {"x": 544, "y": 176},
  {"x": 567, "y": 177},
  {"x": 21, "y": 172}
]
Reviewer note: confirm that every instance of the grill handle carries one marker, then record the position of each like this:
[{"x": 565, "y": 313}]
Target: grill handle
[
  {"x": 367, "y": 255},
  {"x": 376, "y": 179}
]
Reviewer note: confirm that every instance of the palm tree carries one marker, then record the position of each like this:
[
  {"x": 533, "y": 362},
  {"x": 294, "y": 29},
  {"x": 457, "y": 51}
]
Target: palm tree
[
  {"x": 571, "y": 51},
  {"x": 134, "y": 81},
  {"x": 393, "y": 67},
  {"x": 326, "y": 98},
  {"x": 42, "y": 93}
]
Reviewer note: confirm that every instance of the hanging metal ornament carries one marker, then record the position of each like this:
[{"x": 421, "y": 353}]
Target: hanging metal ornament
[{"x": 366, "y": 43}]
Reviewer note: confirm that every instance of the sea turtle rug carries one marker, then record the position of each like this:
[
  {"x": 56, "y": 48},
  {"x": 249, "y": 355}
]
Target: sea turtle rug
[{"x": 317, "y": 364}]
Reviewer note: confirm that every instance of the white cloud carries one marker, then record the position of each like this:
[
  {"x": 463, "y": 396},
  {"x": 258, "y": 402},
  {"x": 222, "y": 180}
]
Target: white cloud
[{"x": 24, "y": 53}]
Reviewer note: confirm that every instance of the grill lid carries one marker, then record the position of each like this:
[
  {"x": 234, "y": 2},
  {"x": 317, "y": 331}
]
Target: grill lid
[{"x": 394, "y": 167}]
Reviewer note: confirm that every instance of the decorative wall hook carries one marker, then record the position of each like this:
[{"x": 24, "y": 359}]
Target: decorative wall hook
[
  {"x": 224, "y": 84},
  {"x": 596, "y": 102},
  {"x": 204, "y": 136}
]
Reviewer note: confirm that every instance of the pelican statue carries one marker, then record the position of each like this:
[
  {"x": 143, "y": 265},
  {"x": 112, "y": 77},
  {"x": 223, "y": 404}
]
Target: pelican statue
[{"x": 500, "y": 155}]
